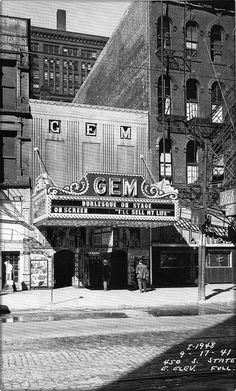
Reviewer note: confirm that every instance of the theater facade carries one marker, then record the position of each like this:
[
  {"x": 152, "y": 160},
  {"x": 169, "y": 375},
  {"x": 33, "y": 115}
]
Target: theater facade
[
  {"x": 94, "y": 198},
  {"x": 103, "y": 216}
]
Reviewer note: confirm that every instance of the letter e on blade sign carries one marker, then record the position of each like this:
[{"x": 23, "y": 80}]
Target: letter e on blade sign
[
  {"x": 125, "y": 132},
  {"x": 91, "y": 129},
  {"x": 54, "y": 126}
]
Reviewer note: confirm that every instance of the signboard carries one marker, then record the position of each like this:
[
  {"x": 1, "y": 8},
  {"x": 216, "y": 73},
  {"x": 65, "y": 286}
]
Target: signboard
[
  {"x": 114, "y": 198},
  {"x": 228, "y": 202}
]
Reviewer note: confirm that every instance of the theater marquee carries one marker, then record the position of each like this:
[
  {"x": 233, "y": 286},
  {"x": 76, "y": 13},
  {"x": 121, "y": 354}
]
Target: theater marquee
[{"x": 110, "y": 199}]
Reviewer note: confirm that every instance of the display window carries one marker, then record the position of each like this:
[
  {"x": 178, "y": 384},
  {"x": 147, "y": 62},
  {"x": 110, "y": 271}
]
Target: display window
[{"x": 218, "y": 259}]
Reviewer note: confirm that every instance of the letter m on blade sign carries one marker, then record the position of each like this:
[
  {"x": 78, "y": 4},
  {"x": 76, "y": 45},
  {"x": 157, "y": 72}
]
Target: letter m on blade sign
[{"x": 125, "y": 132}]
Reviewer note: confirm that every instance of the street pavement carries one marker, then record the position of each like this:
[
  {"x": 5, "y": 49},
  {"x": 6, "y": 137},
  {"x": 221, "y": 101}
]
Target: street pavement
[
  {"x": 133, "y": 353},
  {"x": 86, "y": 299}
]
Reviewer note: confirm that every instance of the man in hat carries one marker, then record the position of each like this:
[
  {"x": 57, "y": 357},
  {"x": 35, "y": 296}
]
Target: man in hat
[{"x": 142, "y": 276}]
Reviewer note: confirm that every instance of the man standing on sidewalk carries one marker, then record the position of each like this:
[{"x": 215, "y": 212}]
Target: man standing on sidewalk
[{"x": 142, "y": 276}]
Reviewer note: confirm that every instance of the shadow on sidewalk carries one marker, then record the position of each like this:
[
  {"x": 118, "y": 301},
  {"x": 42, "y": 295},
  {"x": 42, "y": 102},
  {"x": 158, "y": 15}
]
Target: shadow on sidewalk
[{"x": 218, "y": 291}]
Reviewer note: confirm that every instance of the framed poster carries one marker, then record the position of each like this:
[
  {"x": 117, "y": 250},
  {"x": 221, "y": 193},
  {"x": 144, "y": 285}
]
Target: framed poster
[{"x": 39, "y": 273}]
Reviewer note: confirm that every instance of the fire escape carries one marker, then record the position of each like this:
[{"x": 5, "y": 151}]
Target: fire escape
[{"x": 214, "y": 135}]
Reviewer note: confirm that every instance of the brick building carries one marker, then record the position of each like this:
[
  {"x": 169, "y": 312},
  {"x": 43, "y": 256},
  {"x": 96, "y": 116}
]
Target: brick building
[
  {"x": 61, "y": 60},
  {"x": 16, "y": 231},
  {"x": 176, "y": 60}
]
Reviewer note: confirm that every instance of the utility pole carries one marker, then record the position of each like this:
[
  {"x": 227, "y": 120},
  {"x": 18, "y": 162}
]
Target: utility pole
[{"x": 202, "y": 244}]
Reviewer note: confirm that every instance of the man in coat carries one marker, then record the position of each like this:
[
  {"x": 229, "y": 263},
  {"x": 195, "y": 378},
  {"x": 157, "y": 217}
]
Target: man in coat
[{"x": 142, "y": 276}]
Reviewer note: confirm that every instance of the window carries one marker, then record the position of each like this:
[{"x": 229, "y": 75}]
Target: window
[
  {"x": 216, "y": 102},
  {"x": 163, "y": 32},
  {"x": 218, "y": 259},
  {"x": 51, "y": 49},
  {"x": 89, "y": 67},
  {"x": 191, "y": 39},
  {"x": 36, "y": 74},
  {"x": 69, "y": 51},
  {"x": 164, "y": 95},
  {"x": 45, "y": 61},
  {"x": 8, "y": 85},
  {"x": 216, "y": 44},
  {"x": 88, "y": 54},
  {"x": 35, "y": 46},
  {"x": 165, "y": 160},
  {"x": 218, "y": 168},
  {"x": 83, "y": 66},
  {"x": 45, "y": 75},
  {"x": 192, "y": 157},
  {"x": 8, "y": 165},
  {"x": 70, "y": 77},
  {"x": 192, "y": 98},
  {"x": 51, "y": 75},
  {"x": 64, "y": 64},
  {"x": 57, "y": 62}
]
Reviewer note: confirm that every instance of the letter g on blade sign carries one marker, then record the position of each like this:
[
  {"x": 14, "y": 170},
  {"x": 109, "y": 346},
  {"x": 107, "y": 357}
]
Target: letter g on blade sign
[{"x": 54, "y": 126}]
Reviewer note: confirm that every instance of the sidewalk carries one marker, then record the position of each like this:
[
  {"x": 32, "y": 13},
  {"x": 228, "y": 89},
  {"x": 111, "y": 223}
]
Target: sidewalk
[{"x": 71, "y": 298}]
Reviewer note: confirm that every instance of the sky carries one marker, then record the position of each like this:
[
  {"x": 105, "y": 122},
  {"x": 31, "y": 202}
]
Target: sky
[{"x": 82, "y": 16}]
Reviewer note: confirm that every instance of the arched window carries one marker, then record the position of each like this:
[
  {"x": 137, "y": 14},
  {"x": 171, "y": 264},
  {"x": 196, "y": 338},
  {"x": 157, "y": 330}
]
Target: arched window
[
  {"x": 163, "y": 32},
  {"x": 191, "y": 38},
  {"x": 192, "y": 157},
  {"x": 192, "y": 107},
  {"x": 216, "y": 43},
  {"x": 164, "y": 95},
  {"x": 217, "y": 102},
  {"x": 165, "y": 160}
]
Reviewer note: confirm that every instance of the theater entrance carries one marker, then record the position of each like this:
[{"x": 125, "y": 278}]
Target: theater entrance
[
  {"x": 119, "y": 270},
  {"x": 63, "y": 268}
]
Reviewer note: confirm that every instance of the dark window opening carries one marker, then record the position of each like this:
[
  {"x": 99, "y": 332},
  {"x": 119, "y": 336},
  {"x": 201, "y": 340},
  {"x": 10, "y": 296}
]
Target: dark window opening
[
  {"x": 163, "y": 32},
  {"x": 216, "y": 44}
]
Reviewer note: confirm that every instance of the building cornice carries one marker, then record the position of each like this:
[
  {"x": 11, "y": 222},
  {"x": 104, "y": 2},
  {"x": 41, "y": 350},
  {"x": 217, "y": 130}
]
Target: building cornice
[
  {"x": 84, "y": 106},
  {"x": 65, "y": 36}
]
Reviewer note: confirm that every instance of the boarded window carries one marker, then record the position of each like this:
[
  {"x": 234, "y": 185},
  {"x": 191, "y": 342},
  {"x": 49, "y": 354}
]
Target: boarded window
[
  {"x": 8, "y": 85},
  {"x": 8, "y": 157},
  {"x": 91, "y": 157},
  {"x": 125, "y": 159},
  {"x": 56, "y": 161}
]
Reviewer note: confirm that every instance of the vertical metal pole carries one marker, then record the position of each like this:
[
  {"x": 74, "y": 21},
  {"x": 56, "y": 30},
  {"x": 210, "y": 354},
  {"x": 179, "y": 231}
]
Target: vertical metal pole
[
  {"x": 202, "y": 246},
  {"x": 150, "y": 239},
  {"x": 52, "y": 279}
]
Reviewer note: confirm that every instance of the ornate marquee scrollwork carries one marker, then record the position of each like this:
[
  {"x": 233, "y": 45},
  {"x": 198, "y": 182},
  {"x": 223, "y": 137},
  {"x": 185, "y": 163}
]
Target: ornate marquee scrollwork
[
  {"x": 78, "y": 188},
  {"x": 159, "y": 190}
]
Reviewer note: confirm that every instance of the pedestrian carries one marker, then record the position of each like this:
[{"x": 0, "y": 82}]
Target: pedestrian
[
  {"x": 142, "y": 276},
  {"x": 105, "y": 274}
]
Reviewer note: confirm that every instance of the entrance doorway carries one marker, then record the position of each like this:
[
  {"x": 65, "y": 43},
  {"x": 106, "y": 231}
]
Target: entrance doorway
[
  {"x": 95, "y": 272},
  {"x": 118, "y": 270},
  {"x": 63, "y": 268}
]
